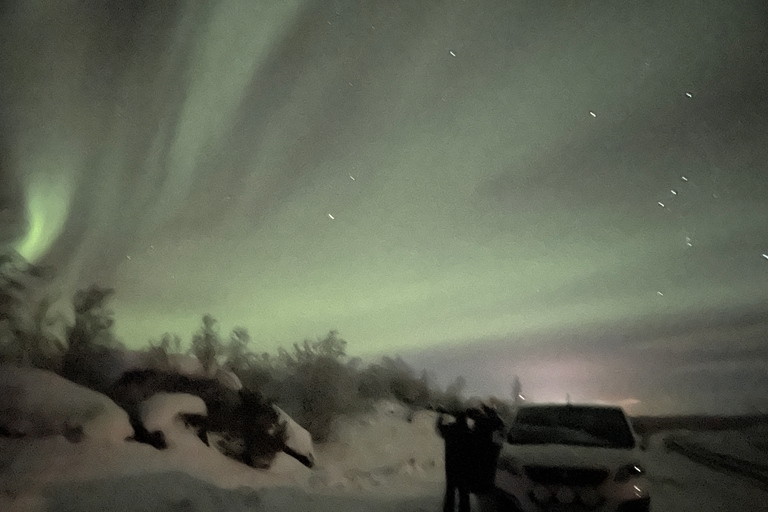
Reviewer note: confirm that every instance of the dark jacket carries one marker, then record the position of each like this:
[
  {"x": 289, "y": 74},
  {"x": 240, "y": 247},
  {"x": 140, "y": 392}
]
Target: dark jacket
[
  {"x": 486, "y": 448},
  {"x": 459, "y": 456}
]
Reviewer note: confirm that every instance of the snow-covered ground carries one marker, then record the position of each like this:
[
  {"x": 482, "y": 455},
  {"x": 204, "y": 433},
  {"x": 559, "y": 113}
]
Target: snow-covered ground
[
  {"x": 377, "y": 462},
  {"x": 749, "y": 444},
  {"x": 681, "y": 485},
  {"x": 100, "y": 470}
]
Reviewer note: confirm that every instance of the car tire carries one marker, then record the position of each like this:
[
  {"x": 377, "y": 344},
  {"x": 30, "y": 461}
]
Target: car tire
[{"x": 504, "y": 502}]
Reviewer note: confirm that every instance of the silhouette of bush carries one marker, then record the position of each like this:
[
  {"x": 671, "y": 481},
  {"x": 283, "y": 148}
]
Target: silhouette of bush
[
  {"x": 158, "y": 352},
  {"x": 92, "y": 344},
  {"x": 314, "y": 381},
  {"x": 206, "y": 343},
  {"x": 394, "y": 379},
  {"x": 236, "y": 351},
  {"x": 24, "y": 336}
]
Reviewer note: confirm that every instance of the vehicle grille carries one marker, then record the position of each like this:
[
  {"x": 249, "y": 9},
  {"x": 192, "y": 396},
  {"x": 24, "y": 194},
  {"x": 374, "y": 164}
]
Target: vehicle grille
[{"x": 548, "y": 475}]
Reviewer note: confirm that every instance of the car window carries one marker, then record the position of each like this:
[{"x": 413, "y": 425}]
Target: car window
[{"x": 585, "y": 426}]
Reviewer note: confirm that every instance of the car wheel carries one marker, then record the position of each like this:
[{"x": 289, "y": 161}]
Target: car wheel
[
  {"x": 504, "y": 502},
  {"x": 641, "y": 505}
]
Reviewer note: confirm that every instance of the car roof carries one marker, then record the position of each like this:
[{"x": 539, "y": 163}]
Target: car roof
[{"x": 569, "y": 405}]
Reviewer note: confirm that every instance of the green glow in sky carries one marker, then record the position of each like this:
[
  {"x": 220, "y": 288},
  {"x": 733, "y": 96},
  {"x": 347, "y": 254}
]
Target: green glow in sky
[
  {"x": 48, "y": 201},
  {"x": 412, "y": 174},
  {"x": 440, "y": 187}
]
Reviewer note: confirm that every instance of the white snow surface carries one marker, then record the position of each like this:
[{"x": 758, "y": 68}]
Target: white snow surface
[
  {"x": 680, "y": 485},
  {"x": 179, "y": 363},
  {"x": 377, "y": 452},
  {"x": 52, "y": 473},
  {"x": 29, "y": 464},
  {"x": 297, "y": 437},
  {"x": 375, "y": 462},
  {"x": 749, "y": 444},
  {"x": 162, "y": 412},
  {"x": 39, "y": 403}
]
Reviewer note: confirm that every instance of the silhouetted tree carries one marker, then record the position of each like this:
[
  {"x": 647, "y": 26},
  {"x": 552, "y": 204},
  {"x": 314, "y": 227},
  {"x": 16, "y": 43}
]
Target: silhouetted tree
[
  {"x": 452, "y": 399},
  {"x": 331, "y": 346},
  {"x": 237, "y": 354},
  {"x": 93, "y": 319},
  {"x": 206, "y": 344},
  {"x": 24, "y": 336},
  {"x": 158, "y": 351},
  {"x": 91, "y": 341},
  {"x": 326, "y": 388}
]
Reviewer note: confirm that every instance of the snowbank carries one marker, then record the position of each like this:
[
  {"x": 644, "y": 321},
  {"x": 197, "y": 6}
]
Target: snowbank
[
  {"x": 399, "y": 461},
  {"x": 162, "y": 412},
  {"x": 748, "y": 444},
  {"x": 39, "y": 408},
  {"x": 298, "y": 439},
  {"x": 38, "y": 403},
  {"x": 179, "y": 363},
  {"x": 377, "y": 451}
]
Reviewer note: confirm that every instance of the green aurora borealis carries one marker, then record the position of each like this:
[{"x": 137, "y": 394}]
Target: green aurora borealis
[{"x": 420, "y": 176}]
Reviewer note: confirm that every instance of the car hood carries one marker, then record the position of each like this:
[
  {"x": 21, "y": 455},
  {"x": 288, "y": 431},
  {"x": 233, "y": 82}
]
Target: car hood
[{"x": 570, "y": 456}]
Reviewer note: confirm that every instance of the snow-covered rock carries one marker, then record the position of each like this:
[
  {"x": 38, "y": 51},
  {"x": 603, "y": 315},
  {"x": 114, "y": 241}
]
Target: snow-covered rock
[
  {"x": 183, "y": 364},
  {"x": 190, "y": 365},
  {"x": 163, "y": 412}
]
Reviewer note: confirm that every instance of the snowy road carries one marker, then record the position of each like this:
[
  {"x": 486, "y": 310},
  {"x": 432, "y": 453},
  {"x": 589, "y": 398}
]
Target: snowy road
[{"x": 679, "y": 485}]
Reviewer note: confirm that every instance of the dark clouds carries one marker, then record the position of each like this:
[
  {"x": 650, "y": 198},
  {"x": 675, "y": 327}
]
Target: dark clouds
[{"x": 713, "y": 362}]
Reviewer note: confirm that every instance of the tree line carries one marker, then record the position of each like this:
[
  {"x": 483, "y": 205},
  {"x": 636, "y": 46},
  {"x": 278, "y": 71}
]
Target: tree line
[{"x": 314, "y": 381}]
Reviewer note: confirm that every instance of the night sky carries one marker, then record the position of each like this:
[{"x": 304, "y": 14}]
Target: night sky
[{"x": 575, "y": 192}]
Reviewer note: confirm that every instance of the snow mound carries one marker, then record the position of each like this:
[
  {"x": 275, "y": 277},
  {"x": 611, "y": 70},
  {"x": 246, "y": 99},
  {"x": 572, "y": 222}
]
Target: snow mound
[
  {"x": 182, "y": 364},
  {"x": 190, "y": 365},
  {"x": 379, "y": 450},
  {"x": 39, "y": 403},
  {"x": 163, "y": 412},
  {"x": 298, "y": 438}
]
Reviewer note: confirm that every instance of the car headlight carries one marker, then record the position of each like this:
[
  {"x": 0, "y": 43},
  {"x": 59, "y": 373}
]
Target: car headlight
[
  {"x": 510, "y": 465},
  {"x": 628, "y": 471}
]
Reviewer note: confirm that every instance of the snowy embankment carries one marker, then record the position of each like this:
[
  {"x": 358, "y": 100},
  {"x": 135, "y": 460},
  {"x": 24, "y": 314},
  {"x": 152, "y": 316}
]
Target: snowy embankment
[
  {"x": 741, "y": 453},
  {"x": 748, "y": 444},
  {"x": 381, "y": 450},
  {"x": 64, "y": 448},
  {"x": 681, "y": 485}
]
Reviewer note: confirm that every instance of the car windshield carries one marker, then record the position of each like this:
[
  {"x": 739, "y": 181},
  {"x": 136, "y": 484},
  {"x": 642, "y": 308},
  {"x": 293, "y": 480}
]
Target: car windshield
[{"x": 572, "y": 425}]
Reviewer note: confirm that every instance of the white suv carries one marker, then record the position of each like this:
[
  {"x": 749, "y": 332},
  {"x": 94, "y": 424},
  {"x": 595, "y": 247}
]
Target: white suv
[{"x": 580, "y": 458}]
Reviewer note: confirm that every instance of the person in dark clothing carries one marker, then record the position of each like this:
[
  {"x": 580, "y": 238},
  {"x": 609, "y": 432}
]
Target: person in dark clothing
[
  {"x": 486, "y": 433},
  {"x": 459, "y": 460},
  {"x": 472, "y": 446}
]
